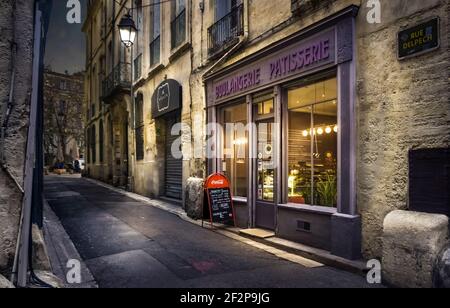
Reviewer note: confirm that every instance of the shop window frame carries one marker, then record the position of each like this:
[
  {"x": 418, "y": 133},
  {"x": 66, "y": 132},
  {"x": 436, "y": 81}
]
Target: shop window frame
[
  {"x": 303, "y": 82},
  {"x": 221, "y": 141}
]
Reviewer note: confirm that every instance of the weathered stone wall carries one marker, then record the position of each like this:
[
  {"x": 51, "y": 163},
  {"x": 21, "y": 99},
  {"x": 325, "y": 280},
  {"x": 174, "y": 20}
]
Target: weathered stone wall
[
  {"x": 402, "y": 105},
  {"x": 116, "y": 112},
  {"x": 412, "y": 243},
  {"x": 16, "y": 25}
]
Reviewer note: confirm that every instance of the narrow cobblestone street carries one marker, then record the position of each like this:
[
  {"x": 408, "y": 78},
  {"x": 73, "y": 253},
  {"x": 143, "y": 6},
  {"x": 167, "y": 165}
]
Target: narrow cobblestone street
[{"x": 125, "y": 243}]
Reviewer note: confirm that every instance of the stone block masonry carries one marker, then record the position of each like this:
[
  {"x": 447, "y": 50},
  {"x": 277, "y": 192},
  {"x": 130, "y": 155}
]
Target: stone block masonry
[
  {"x": 402, "y": 105},
  {"x": 412, "y": 243},
  {"x": 16, "y": 28}
]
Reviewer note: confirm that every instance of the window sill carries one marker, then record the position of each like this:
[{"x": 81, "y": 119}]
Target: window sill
[
  {"x": 138, "y": 81},
  {"x": 322, "y": 210},
  {"x": 155, "y": 69},
  {"x": 179, "y": 51}
]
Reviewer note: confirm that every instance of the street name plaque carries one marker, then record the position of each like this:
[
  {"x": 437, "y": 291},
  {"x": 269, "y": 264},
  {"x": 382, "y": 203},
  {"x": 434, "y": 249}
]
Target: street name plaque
[{"x": 418, "y": 40}]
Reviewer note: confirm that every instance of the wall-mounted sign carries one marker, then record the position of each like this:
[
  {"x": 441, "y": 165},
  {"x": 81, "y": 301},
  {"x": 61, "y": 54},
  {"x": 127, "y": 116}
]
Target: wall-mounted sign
[
  {"x": 219, "y": 200},
  {"x": 166, "y": 98},
  {"x": 304, "y": 56},
  {"x": 419, "y": 39}
]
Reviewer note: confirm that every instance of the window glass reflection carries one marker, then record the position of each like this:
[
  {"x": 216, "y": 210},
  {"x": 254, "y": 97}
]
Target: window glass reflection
[
  {"x": 235, "y": 151},
  {"x": 313, "y": 132}
]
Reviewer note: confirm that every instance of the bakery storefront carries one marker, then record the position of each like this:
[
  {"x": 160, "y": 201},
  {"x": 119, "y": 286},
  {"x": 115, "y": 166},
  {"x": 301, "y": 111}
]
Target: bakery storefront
[{"x": 284, "y": 135}]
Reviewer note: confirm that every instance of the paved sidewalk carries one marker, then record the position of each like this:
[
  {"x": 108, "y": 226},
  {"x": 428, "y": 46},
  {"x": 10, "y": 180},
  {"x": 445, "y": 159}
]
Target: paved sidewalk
[
  {"x": 61, "y": 249},
  {"x": 126, "y": 243}
]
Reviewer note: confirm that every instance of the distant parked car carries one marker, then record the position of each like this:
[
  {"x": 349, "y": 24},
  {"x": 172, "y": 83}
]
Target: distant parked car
[{"x": 82, "y": 164}]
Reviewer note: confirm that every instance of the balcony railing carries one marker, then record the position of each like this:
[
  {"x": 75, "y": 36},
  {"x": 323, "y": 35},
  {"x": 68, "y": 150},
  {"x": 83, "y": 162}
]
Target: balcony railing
[
  {"x": 178, "y": 28},
  {"x": 226, "y": 31},
  {"x": 155, "y": 51},
  {"x": 138, "y": 68},
  {"x": 118, "y": 80}
]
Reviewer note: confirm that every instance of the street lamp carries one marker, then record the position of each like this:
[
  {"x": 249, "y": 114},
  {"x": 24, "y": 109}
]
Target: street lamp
[{"x": 127, "y": 29}]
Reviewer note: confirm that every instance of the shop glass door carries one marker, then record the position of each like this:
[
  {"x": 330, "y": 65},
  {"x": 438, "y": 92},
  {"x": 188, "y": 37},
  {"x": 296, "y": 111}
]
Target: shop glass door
[{"x": 266, "y": 168}]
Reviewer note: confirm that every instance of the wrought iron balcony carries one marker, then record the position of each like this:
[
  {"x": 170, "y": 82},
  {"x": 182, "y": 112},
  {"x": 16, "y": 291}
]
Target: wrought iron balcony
[
  {"x": 155, "y": 51},
  {"x": 118, "y": 81},
  {"x": 178, "y": 28},
  {"x": 226, "y": 31}
]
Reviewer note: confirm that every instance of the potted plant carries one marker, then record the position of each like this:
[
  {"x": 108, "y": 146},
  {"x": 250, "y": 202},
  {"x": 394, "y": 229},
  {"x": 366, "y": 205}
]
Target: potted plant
[{"x": 327, "y": 189}]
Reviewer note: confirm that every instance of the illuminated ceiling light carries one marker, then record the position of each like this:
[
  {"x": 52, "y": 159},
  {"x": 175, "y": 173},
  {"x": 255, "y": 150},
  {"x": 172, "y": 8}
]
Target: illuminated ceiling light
[
  {"x": 328, "y": 130},
  {"x": 305, "y": 133},
  {"x": 320, "y": 131},
  {"x": 335, "y": 128}
]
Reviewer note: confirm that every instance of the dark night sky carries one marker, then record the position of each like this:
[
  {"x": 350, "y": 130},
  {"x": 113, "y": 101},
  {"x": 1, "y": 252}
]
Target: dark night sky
[{"x": 65, "y": 42}]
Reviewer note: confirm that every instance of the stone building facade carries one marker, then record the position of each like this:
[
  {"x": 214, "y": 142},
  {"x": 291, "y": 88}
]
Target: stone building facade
[
  {"x": 255, "y": 62},
  {"x": 16, "y": 41},
  {"x": 63, "y": 117},
  {"x": 107, "y": 108}
]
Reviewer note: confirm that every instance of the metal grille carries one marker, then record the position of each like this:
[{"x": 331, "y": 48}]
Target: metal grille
[
  {"x": 226, "y": 31},
  {"x": 429, "y": 181},
  {"x": 174, "y": 167},
  {"x": 119, "y": 78}
]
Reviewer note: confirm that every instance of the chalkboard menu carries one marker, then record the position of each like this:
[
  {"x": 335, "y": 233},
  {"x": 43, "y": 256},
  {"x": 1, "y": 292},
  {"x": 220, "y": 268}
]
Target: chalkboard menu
[
  {"x": 221, "y": 207},
  {"x": 219, "y": 199},
  {"x": 419, "y": 39}
]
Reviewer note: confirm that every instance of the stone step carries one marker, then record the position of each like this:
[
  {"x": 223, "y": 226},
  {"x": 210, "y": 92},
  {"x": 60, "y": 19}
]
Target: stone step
[{"x": 257, "y": 233}]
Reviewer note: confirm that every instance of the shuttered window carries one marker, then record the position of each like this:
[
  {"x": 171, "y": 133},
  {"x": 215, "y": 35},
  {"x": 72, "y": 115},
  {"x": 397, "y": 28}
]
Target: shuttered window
[{"x": 140, "y": 127}]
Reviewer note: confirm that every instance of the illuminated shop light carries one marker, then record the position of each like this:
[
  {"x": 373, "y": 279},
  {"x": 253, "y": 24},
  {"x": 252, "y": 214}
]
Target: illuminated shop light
[{"x": 320, "y": 131}]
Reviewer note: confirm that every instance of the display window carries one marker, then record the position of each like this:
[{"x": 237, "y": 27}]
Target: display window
[
  {"x": 235, "y": 148},
  {"x": 313, "y": 144}
]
